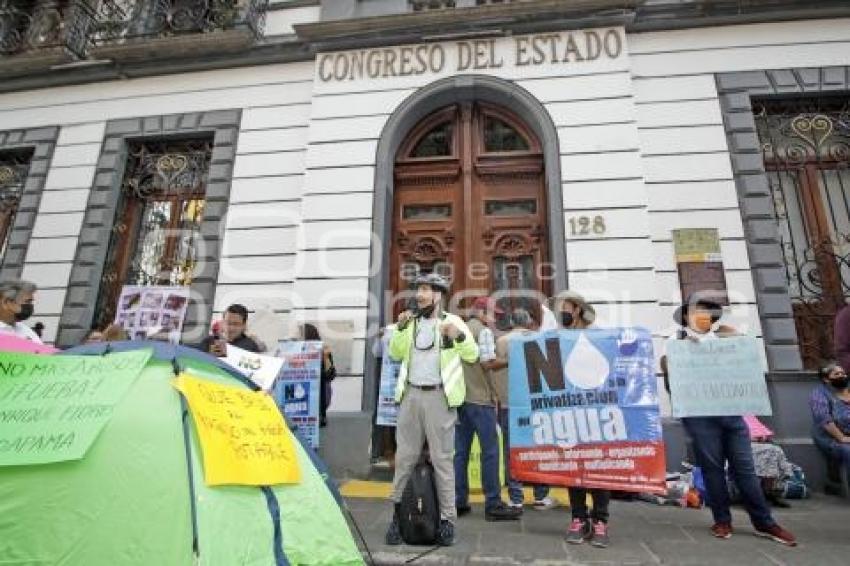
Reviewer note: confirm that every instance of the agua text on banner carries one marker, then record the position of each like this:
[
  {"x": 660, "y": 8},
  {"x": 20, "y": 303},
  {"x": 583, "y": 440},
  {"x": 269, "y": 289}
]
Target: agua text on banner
[{"x": 583, "y": 410}]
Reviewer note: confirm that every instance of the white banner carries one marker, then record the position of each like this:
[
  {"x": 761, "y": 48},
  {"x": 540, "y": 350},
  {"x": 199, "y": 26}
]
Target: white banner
[{"x": 262, "y": 370}]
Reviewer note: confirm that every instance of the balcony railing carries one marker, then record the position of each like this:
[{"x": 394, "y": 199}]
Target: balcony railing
[
  {"x": 126, "y": 19},
  {"x": 27, "y": 25},
  {"x": 77, "y": 25}
]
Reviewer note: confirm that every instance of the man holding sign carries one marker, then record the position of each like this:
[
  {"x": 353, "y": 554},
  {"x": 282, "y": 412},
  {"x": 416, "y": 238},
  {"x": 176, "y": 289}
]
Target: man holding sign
[{"x": 715, "y": 377}]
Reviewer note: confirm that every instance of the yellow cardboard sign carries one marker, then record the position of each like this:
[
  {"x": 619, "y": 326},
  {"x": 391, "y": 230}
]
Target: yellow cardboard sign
[{"x": 244, "y": 439}]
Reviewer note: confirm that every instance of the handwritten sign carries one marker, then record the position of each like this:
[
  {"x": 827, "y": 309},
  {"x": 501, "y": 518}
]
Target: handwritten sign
[
  {"x": 296, "y": 391},
  {"x": 243, "y": 437},
  {"x": 262, "y": 370},
  {"x": 584, "y": 410},
  {"x": 715, "y": 378},
  {"x": 52, "y": 408}
]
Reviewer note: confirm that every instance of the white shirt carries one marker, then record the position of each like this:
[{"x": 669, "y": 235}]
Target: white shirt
[
  {"x": 486, "y": 345},
  {"x": 20, "y": 330},
  {"x": 549, "y": 321}
]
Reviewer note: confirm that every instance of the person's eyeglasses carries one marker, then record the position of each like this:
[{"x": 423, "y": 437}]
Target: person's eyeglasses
[{"x": 423, "y": 340}]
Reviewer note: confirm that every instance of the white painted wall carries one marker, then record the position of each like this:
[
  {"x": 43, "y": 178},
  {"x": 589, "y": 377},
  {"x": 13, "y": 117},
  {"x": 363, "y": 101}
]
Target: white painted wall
[{"x": 641, "y": 143}]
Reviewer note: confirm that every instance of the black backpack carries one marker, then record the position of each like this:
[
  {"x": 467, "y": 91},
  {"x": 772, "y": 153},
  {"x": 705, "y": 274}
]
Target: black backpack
[{"x": 419, "y": 520}]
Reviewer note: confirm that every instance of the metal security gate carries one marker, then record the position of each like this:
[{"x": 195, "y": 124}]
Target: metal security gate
[{"x": 806, "y": 148}]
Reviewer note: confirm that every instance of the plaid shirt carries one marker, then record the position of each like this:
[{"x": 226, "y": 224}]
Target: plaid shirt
[{"x": 827, "y": 408}]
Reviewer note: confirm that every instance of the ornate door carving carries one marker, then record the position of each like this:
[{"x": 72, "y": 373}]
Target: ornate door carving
[{"x": 470, "y": 202}]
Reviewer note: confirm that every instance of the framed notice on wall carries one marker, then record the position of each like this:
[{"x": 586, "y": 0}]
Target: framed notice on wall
[
  {"x": 144, "y": 311},
  {"x": 700, "y": 263}
]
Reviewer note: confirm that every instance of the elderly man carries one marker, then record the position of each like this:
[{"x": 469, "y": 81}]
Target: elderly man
[
  {"x": 430, "y": 344},
  {"x": 16, "y": 306}
]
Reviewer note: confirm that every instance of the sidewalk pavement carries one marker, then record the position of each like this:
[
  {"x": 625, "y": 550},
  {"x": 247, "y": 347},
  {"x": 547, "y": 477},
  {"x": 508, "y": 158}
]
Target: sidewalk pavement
[{"x": 641, "y": 533}]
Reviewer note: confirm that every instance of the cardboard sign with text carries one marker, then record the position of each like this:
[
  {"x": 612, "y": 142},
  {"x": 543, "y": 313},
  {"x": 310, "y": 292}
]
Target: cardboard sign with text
[
  {"x": 262, "y": 370},
  {"x": 52, "y": 408},
  {"x": 584, "y": 410},
  {"x": 712, "y": 378},
  {"x": 243, "y": 437}
]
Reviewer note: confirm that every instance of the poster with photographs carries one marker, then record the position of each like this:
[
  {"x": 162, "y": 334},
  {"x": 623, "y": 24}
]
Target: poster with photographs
[
  {"x": 296, "y": 390},
  {"x": 152, "y": 311}
]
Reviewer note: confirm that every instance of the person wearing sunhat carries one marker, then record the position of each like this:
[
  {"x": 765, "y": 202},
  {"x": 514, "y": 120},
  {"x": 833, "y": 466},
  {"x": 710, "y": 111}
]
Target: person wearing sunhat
[
  {"x": 575, "y": 313},
  {"x": 431, "y": 345},
  {"x": 721, "y": 440},
  {"x": 477, "y": 417}
]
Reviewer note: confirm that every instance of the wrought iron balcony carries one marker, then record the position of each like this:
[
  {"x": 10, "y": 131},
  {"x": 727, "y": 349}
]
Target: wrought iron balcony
[
  {"x": 119, "y": 20},
  {"x": 130, "y": 27},
  {"x": 39, "y": 25}
]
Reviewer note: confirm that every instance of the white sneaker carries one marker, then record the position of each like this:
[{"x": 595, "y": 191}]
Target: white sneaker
[
  {"x": 513, "y": 505},
  {"x": 545, "y": 503}
]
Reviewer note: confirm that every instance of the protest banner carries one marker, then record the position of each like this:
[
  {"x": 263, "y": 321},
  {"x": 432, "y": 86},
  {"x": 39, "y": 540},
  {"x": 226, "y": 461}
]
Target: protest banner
[
  {"x": 584, "y": 410},
  {"x": 387, "y": 414},
  {"x": 52, "y": 408},
  {"x": 262, "y": 370},
  {"x": 714, "y": 378},
  {"x": 296, "y": 390},
  {"x": 150, "y": 309},
  {"x": 243, "y": 437}
]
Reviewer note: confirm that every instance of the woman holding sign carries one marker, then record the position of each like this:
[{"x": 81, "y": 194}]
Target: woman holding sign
[
  {"x": 721, "y": 439},
  {"x": 574, "y": 313}
]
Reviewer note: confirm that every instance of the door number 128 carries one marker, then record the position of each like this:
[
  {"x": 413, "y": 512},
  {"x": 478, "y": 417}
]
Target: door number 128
[{"x": 585, "y": 225}]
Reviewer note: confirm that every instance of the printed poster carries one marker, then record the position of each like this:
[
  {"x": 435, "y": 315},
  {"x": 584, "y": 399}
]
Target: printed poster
[
  {"x": 262, "y": 370},
  {"x": 152, "y": 310},
  {"x": 722, "y": 377},
  {"x": 52, "y": 408},
  {"x": 584, "y": 410},
  {"x": 387, "y": 414},
  {"x": 296, "y": 391},
  {"x": 244, "y": 440}
]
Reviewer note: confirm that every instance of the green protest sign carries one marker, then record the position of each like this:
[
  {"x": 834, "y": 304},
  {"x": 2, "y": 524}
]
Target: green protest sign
[{"x": 53, "y": 407}]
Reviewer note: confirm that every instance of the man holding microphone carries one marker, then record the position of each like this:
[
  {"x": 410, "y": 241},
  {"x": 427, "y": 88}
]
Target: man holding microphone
[{"x": 430, "y": 344}]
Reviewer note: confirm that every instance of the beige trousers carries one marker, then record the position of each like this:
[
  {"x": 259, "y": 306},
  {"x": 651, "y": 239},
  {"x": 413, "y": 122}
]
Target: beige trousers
[{"x": 425, "y": 415}]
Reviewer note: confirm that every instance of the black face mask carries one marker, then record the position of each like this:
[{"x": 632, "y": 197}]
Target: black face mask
[
  {"x": 567, "y": 319},
  {"x": 26, "y": 312},
  {"x": 840, "y": 383},
  {"x": 425, "y": 311}
]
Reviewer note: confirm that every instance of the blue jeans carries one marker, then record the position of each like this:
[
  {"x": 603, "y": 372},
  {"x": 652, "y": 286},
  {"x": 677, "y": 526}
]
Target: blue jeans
[
  {"x": 478, "y": 420},
  {"x": 514, "y": 486},
  {"x": 832, "y": 448},
  {"x": 716, "y": 441}
]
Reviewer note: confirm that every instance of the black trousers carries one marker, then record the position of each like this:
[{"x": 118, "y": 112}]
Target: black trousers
[{"x": 578, "y": 503}]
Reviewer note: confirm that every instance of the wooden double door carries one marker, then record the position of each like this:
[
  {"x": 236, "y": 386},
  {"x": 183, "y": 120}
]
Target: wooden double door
[{"x": 470, "y": 203}]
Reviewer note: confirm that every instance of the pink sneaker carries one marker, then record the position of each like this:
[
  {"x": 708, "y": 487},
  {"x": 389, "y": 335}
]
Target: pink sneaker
[{"x": 579, "y": 531}]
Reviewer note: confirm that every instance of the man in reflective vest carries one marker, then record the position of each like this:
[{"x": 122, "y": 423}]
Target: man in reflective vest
[{"x": 430, "y": 344}]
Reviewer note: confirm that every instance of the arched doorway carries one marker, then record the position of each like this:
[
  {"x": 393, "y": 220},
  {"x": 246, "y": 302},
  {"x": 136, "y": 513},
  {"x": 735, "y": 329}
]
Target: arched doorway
[{"x": 470, "y": 202}]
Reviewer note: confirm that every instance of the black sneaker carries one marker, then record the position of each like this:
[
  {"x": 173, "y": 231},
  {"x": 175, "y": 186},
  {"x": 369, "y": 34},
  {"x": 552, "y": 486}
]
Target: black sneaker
[
  {"x": 393, "y": 537},
  {"x": 463, "y": 510},
  {"x": 501, "y": 512},
  {"x": 446, "y": 534}
]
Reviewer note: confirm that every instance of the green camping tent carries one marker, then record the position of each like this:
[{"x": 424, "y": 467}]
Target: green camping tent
[{"x": 133, "y": 500}]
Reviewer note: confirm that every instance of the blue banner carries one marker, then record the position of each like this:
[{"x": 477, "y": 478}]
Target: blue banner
[
  {"x": 296, "y": 390},
  {"x": 584, "y": 410}
]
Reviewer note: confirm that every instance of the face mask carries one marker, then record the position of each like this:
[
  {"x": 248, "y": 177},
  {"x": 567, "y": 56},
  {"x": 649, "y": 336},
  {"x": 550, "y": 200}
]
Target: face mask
[
  {"x": 701, "y": 321},
  {"x": 26, "y": 312},
  {"x": 426, "y": 311},
  {"x": 567, "y": 319},
  {"x": 840, "y": 383}
]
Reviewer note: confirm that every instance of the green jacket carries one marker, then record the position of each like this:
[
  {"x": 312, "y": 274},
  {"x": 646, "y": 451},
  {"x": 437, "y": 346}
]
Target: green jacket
[{"x": 451, "y": 370}]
